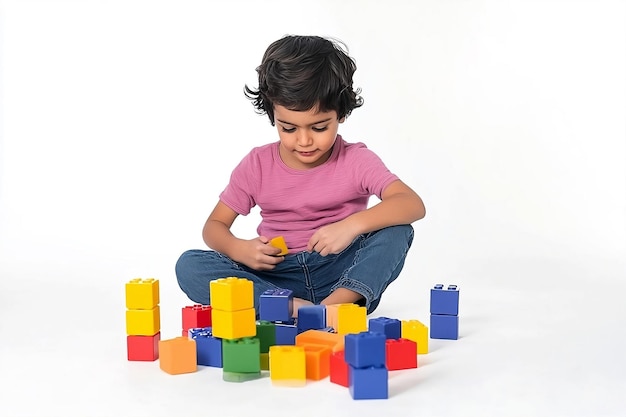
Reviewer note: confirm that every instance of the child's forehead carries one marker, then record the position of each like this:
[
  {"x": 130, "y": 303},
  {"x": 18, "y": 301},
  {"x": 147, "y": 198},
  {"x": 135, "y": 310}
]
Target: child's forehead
[{"x": 312, "y": 113}]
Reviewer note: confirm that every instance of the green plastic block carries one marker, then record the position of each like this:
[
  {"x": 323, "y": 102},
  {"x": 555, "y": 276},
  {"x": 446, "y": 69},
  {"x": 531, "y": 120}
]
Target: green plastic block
[
  {"x": 240, "y": 376},
  {"x": 266, "y": 333},
  {"x": 241, "y": 355}
]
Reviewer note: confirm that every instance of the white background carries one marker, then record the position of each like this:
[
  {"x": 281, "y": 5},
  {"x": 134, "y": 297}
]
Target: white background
[{"x": 121, "y": 121}]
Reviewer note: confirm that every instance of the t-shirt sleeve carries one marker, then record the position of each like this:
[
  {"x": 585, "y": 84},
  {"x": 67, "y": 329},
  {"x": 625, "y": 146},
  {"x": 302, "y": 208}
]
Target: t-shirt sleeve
[
  {"x": 240, "y": 191},
  {"x": 373, "y": 175}
]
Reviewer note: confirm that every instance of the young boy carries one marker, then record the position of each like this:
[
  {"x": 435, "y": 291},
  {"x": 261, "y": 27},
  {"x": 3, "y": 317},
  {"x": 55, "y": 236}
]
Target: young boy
[{"x": 312, "y": 188}]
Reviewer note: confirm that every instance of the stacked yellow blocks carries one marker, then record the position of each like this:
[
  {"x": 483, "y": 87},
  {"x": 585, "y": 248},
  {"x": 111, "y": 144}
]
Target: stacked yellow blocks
[{"x": 143, "y": 319}]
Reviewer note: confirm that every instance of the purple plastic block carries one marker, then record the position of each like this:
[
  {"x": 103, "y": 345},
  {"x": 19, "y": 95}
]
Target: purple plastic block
[
  {"x": 391, "y": 328},
  {"x": 208, "y": 347},
  {"x": 311, "y": 317},
  {"x": 286, "y": 332},
  {"x": 371, "y": 383},
  {"x": 276, "y": 305},
  {"x": 444, "y": 301},
  {"x": 365, "y": 349}
]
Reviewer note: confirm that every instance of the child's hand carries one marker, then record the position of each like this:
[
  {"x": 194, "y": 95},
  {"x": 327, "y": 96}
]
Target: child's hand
[
  {"x": 259, "y": 254},
  {"x": 332, "y": 238}
]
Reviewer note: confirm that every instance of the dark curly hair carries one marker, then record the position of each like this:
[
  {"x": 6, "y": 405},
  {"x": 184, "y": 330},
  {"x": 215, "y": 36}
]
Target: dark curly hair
[{"x": 303, "y": 72}]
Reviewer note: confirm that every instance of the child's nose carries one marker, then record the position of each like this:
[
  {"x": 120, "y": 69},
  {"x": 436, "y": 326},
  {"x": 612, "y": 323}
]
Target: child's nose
[{"x": 304, "y": 139}]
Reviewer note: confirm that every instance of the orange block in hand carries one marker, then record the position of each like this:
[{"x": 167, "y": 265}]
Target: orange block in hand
[{"x": 279, "y": 242}]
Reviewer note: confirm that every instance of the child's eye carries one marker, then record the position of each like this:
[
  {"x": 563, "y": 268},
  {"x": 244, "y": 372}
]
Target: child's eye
[
  {"x": 289, "y": 130},
  {"x": 320, "y": 129}
]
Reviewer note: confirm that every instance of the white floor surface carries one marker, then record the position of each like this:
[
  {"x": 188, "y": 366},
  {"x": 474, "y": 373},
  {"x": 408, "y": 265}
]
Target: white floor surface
[{"x": 538, "y": 338}]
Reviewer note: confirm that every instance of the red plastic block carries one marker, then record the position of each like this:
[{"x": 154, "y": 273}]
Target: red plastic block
[
  {"x": 196, "y": 316},
  {"x": 143, "y": 348},
  {"x": 401, "y": 354},
  {"x": 339, "y": 371}
]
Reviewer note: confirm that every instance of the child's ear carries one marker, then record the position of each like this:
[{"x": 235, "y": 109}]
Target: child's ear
[{"x": 343, "y": 119}]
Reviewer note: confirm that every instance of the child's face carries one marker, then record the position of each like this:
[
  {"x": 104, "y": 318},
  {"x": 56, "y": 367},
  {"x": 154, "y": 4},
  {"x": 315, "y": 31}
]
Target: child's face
[{"x": 306, "y": 137}]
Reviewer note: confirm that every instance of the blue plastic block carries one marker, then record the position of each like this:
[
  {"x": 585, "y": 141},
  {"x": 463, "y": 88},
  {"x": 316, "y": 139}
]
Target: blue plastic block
[
  {"x": 368, "y": 383},
  {"x": 208, "y": 348},
  {"x": 286, "y": 332},
  {"x": 311, "y": 317},
  {"x": 391, "y": 328},
  {"x": 444, "y": 301},
  {"x": 444, "y": 327},
  {"x": 276, "y": 305},
  {"x": 365, "y": 349}
]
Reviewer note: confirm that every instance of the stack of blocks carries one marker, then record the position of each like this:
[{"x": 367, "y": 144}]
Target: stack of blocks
[
  {"x": 367, "y": 373},
  {"x": 234, "y": 321},
  {"x": 444, "y": 312},
  {"x": 143, "y": 319}
]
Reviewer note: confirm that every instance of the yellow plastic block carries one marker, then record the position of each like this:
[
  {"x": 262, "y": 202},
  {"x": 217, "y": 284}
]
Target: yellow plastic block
[
  {"x": 142, "y": 294},
  {"x": 279, "y": 242},
  {"x": 288, "y": 366},
  {"x": 334, "y": 341},
  {"x": 418, "y": 332},
  {"x": 351, "y": 318},
  {"x": 232, "y": 294},
  {"x": 234, "y": 324},
  {"x": 143, "y": 322},
  {"x": 317, "y": 361},
  {"x": 265, "y": 361},
  {"x": 178, "y": 355},
  {"x": 331, "y": 314}
]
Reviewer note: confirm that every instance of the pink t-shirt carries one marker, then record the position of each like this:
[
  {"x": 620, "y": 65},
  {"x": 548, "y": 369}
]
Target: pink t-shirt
[{"x": 295, "y": 203}]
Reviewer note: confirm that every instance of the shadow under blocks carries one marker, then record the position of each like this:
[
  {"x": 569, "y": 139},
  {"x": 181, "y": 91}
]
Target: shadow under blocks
[{"x": 444, "y": 312}]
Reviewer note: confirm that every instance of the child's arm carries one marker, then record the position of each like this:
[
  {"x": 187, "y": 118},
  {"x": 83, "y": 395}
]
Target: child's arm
[
  {"x": 399, "y": 205},
  {"x": 254, "y": 253}
]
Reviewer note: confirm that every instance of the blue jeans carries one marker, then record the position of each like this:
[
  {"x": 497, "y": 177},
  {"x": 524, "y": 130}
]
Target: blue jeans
[{"x": 367, "y": 266}]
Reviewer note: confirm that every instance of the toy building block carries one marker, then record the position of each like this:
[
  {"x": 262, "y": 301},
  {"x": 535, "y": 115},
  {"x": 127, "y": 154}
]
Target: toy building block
[
  {"x": 391, "y": 328},
  {"x": 209, "y": 348},
  {"x": 143, "y": 348},
  {"x": 143, "y": 322},
  {"x": 234, "y": 324},
  {"x": 286, "y": 332},
  {"x": 317, "y": 361},
  {"x": 351, "y": 318},
  {"x": 334, "y": 341},
  {"x": 279, "y": 242},
  {"x": 288, "y": 366},
  {"x": 339, "y": 369},
  {"x": 418, "y": 332},
  {"x": 197, "y": 316},
  {"x": 232, "y": 294},
  {"x": 444, "y": 327},
  {"x": 240, "y": 376},
  {"x": 142, "y": 294},
  {"x": 331, "y": 314},
  {"x": 241, "y": 355},
  {"x": 178, "y": 356},
  {"x": 444, "y": 301},
  {"x": 276, "y": 305},
  {"x": 365, "y": 349},
  {"x": 369, "y": 383},
  {"x": 265, "y": 361},
  {"x": 311, "y": 317},
  {"x": 266, "y": 333},
  {"x": 400, "y": 354}
]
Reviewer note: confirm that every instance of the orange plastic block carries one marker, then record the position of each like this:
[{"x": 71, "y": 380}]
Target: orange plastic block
[
  {"x": 143, "y": 348},
  {"x": 143, "y": 322},
  {"x": 279, "y": 242},
  {"x": 334, "y": 341},
  {"x": 178, "y": 355},
  {"x": 317, "y": 361},
  {"x": 418, "y": 332},
  {"x": 232, "y": 294},
  {"x": 288, "y": 365},
  {"x": 142, "y": 294},
  {"x": 351, "y": 318},
  {"x": 234, "y": 324}
]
